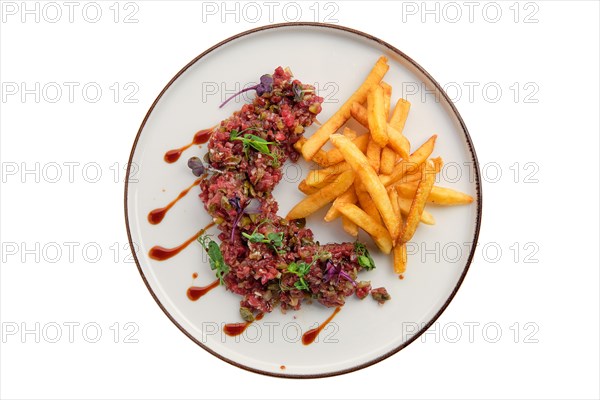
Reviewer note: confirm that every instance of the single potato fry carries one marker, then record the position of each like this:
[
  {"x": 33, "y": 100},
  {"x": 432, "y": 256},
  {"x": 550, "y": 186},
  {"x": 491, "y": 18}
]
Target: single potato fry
[
  {"x": 400, "y": 114},
  {"x": 400, "y": 258},
  {"x": 350, "y": 227},
  {"x": 376, "y": 116},
  {"x": 398, "y": 142},
  {"x": 426, "y": 217},
  {"x": 320, "y": 156},
  {"x": 334, "y": 156},
  {"x": 412, "y": 165},
  {"x": 387, "y": 96},
  {"x": 388, "y": 160},
  {"x": 368, "y": 177},
  {"x": 418, "y": 204},
  {"x": 367, "y": 204},
  {"x": 374, "y": 154},
  {"x": 325, "y": 195},
  {"x": 349, "y": 196},
  {"x": 439, "y": 195},
  {"x": 399, "y": 251},
  {"x": 321, "y": 177},
  {"x": 320, "y": 137},
  {"x": 307, "y": 189},
  {"x": 377, "y": 231},
  {"x": 393, "y": 195}
]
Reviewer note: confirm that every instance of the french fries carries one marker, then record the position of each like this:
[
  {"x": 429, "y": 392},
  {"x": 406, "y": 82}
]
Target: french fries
[
  {"x": 400, "y": 114},
  {"x": 418, "y": 203},
  {"x": 374, "y": 154},
  {"x": 398, "y": 142},
  {"x": 399, "y": 250},
  {"x": 349, "y": 196},
  {"x": 320, "y": 157},
  {"x": 377, "y": 231},
  {"x": 350, "y": 227},
  {"x": 405, "y": 204},
  {"x": 395, "y": 137},
  {"x": 369, "y": 178},
  {"x": 412, "y": 165},
  {"x": 439, "y": 195},
  {"x": 325, "y": 195},
  {"x": 307, "y": 189},
  {"x": 388, "y": 159},
  {"x": 334, "y": 156},
  {"x": 368, "y": 205},
  {"x": 320, "y": 137},
  {"x": 376, "y": 116},
  {"x": 321, "y": 177},
  {"x": 373, "y": 181},
  {"x": 387, "y": 98}
]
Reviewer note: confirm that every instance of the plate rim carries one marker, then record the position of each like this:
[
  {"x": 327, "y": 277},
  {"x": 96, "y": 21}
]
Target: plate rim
[{"x": 478, "y": 185}]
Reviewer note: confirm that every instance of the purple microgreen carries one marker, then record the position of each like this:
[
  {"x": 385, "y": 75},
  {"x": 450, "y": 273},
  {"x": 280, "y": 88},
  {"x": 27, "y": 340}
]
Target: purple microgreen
[
  {"x": 265, "y": 86},
  {"x": 235, "y": 203},
  {"x": 347, "y": 277},
  {"x": 331, "y": 271},
  {"x": 196, "y": 166}
]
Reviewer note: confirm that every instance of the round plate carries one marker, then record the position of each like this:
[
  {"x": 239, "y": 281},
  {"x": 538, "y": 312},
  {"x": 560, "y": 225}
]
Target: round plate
[{"x": 335, "y": 60}]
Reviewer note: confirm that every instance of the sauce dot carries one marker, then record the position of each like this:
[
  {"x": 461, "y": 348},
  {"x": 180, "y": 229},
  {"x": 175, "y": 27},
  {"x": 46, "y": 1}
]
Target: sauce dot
[
  {"x": 194, "y": 275},
  {"x": 282, "y": 367}
]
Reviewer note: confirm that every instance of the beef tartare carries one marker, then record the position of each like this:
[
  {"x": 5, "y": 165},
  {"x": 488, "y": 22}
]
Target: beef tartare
[{"x": 267, "y": 259}]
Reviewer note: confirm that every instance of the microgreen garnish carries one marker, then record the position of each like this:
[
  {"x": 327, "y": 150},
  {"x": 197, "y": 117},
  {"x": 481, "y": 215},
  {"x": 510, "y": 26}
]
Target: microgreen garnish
[
  {"x": 273, "y": 239},
  {"x": 364, "y": 258},
  {"x": 299, "y": 92},
  {"x": 332, "y": 270},
  {"x": 300, "y": 269},
  {"x": 217, "y": 263},
  {"x": 235, "y": 203},
  {"x": 198, "y": 168},
  {"x": 265, "y": 86},
  {"x": 251, "y": 140},
  {"x": 252, "y": 207}
]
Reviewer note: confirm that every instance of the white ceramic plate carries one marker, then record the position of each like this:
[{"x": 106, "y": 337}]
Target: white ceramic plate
[{"x": 336, "y": 59}]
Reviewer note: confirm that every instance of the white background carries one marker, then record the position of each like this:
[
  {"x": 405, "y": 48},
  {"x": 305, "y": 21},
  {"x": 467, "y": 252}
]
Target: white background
[{"x": 542, "y": 293}]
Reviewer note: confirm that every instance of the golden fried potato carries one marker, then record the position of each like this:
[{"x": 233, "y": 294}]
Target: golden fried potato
[
  {"x": 319, "y": 199},
  {"x": 377, "y": 231},
  {"x": 439, "y": 195},
  {"x": 376, "y": 116},
  {"x": 368, "y": 177},
  {"x": 349, "y": 196},
  {"x": 418, "y": 203},
  {"x": 320, "y": 137},
  {"x": 334, "y": 156}
]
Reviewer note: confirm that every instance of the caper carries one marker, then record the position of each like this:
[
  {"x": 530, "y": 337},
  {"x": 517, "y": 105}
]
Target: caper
[
  {"x": 246, "y": 314},
  {"x": 300, "y": 222}
]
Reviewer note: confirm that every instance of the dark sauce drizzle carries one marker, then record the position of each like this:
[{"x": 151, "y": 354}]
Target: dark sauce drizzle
[
  {"x": 156, "y": 216},
  {"x": 311, "y": 335},
  {"x": 200, "y": 137},
  {"x": 160, "y": 253}
]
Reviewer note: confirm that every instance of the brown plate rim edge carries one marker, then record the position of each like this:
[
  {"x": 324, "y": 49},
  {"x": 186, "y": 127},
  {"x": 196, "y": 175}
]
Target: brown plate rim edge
[{"x": 477, "y": 186}]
